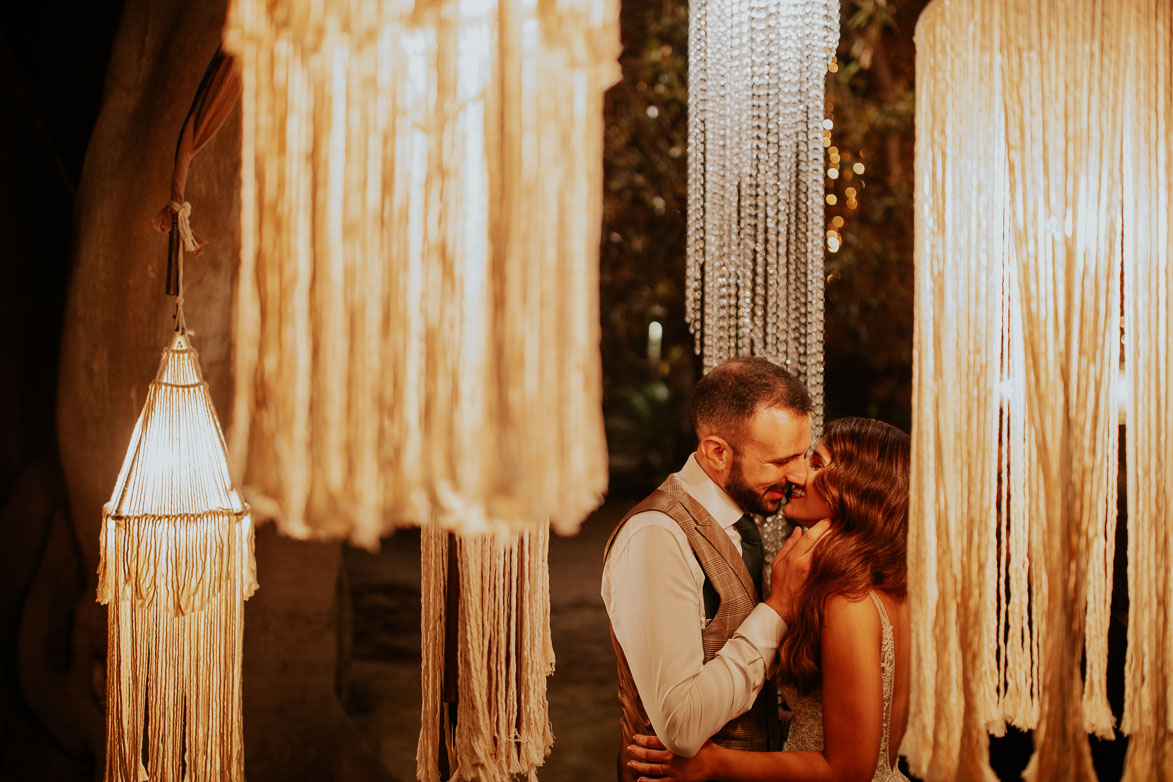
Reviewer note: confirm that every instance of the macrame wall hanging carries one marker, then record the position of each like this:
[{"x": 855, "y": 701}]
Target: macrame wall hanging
[
  {"x": 755, "y": 234},
  {"x": 176, "y": 552},
  {"x": 1043, "y": 137},
  {"x": 417, "y": 312},
  {"x": 416, "y": 325}
]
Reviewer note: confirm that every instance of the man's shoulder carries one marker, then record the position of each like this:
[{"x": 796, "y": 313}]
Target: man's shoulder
[{"x": 644, "y": 524}]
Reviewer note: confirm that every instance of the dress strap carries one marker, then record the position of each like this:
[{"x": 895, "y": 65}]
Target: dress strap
[
  {"x": 887, "y": 670},
  {"x": 880, "y": 607}
]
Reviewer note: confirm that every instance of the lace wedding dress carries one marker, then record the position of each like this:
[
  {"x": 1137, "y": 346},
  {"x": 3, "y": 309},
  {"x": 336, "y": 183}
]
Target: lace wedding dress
[{"x": 806, "y": 728}]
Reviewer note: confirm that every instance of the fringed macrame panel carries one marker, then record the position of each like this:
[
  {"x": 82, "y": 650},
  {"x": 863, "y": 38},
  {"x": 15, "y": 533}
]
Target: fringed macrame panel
[
  {"x": 1020, "y": 208},
  {"x": 500, "y": 729},
  {"x": 961, "y": 269},
  {"x": 1064, "y": 138},
  {"x": 176, "y": 567},
  {"x": 756, "y": 83},
  {"x": 417, "y": 314},
  {"x": 1148, "y": 357}
]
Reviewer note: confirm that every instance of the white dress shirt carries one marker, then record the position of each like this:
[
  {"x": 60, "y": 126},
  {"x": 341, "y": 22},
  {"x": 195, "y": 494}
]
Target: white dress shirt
[{"x": 652, "y": 587}]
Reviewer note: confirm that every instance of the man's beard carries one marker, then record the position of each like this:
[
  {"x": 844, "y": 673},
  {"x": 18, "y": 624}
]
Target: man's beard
[{"x": 747, "y": 499}]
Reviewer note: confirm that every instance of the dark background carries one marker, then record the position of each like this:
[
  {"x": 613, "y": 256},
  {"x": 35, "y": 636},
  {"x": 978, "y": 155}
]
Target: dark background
[{"x": 53, "y": 59}]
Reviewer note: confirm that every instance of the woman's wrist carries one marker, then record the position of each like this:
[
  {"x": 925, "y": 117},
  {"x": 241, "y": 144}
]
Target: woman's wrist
[{"x": 718, "y": 765}]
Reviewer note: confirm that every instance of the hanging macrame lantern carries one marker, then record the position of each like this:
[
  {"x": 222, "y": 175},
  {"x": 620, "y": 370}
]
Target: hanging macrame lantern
[
  {"x": 1043, "y": 163},
  {"x": 417, "y": 311},
  {"x": 176, "y": 567},
  {"x": 176, "y": 560}
]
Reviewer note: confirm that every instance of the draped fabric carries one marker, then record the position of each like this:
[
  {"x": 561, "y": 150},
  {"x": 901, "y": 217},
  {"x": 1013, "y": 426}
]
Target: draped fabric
[
  {"x": 416, "y": 328},
  {"x": 176, "y": 567},
  {"x": 1042, "y": 185},
  {"x": 214, "y": 101}
]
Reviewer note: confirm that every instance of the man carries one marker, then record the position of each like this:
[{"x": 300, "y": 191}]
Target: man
[{"x": 683, "y": 569}]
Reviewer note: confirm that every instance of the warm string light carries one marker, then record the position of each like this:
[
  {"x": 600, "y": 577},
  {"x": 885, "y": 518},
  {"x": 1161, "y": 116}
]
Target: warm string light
[{"x": 843, "y": 172}]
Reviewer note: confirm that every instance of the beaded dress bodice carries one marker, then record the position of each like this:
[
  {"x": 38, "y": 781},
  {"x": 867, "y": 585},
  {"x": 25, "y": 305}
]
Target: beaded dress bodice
[{"x": 806, "y": 727}]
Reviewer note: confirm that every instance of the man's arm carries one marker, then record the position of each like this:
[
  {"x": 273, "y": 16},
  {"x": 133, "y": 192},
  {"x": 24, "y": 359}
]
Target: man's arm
[{"x": 653, "y": 597}]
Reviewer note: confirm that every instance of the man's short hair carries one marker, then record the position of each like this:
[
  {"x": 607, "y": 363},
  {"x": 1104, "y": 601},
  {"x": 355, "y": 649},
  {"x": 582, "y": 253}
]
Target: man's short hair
[{"x": 727, "y": 397}]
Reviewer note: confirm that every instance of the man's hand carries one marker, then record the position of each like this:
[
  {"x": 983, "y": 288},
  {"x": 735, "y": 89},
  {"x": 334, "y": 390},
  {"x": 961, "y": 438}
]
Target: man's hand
[{"x": 791, "y": 566}]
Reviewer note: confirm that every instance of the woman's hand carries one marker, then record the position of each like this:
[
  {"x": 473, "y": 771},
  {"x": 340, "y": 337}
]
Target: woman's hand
[{"x": 655, "y": 762}]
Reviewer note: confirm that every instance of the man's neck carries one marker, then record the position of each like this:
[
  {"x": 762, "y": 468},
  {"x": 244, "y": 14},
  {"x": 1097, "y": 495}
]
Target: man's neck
[{"x": 708, "y": 469}]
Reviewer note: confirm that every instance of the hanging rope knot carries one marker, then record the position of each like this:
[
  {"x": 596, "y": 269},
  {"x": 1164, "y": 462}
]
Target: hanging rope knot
[{"x": 192, "y": 244}]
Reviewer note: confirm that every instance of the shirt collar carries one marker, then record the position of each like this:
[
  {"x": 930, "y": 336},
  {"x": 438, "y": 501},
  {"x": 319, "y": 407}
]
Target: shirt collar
[{"x": 711, "y": 496}]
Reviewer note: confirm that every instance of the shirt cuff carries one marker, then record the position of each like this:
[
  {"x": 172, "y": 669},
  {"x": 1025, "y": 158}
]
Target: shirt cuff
[{"x": 763, "y": 628}]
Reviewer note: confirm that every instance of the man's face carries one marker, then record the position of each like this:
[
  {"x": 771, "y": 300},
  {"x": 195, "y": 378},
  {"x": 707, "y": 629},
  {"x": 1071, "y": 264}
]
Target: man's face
[{"x": 770, "y": 456}]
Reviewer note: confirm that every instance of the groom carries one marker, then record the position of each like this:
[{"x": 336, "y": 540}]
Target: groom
[{"x": 682, "y": 578}]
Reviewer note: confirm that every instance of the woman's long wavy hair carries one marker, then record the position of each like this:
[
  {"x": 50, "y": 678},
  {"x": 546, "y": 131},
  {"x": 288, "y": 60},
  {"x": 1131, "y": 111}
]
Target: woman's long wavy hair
[{"x": 866, "y": 486}]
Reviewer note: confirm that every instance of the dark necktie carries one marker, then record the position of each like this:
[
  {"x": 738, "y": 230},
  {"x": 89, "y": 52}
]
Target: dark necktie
[{"x": 751, "y": 549}]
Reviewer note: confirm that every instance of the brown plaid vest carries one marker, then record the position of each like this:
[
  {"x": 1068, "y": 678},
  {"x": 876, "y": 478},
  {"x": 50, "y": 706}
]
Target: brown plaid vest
[{"x": 725, "y": 569}]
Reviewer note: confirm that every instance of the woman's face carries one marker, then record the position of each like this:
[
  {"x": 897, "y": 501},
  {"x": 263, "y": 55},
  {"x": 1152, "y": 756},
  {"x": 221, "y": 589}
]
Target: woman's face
[{"x": 806, "y": 506}]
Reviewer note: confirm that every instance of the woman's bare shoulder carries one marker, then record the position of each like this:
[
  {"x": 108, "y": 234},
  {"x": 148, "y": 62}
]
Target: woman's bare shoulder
[{"x": 851, "y": 612}]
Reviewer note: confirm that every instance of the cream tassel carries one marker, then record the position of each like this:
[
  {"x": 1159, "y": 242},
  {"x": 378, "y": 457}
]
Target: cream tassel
[{"x": 954, "y": 513}]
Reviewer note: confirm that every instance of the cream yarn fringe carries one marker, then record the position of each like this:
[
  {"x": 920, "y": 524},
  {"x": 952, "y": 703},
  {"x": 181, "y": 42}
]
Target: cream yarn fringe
[
  {"x": 1042, "y": 132},
  {"x": 504, "y": 655},
  {"x": 1148, "y": 342},
  {"x": 176, "y": 566},
  {"x": 416, "y": 325}
]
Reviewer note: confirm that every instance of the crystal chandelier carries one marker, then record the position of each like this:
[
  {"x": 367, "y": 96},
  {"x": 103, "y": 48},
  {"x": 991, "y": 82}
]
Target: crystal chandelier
[
  {"x": 756, "y": 79},
  {"x": 754, "y": 280}
]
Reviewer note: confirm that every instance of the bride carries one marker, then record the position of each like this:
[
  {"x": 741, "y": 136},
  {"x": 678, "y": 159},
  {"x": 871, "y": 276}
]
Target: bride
[{"x": 844, "y": 661}]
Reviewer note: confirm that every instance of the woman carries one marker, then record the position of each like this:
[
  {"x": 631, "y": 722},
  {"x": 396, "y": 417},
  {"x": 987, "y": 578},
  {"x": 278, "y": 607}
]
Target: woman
[{"x": 844, "y": 661}]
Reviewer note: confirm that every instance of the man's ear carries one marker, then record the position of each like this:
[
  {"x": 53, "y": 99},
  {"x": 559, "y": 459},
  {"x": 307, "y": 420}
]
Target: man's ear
[{"x": 716, "y": 451}]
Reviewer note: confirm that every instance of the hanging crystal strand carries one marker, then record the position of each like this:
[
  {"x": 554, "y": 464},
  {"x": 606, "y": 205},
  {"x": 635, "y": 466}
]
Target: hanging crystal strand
[
  {"x": 710, "y": 190},
  {"x": 726, "y": 192},
  {"x": 744, "y": 128},
  {"x": 695, "y": 219},
  {"x": 822, "y": 49},
  {"x": 787, "y": 314},
  {"x": 759, "y": 101}
]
